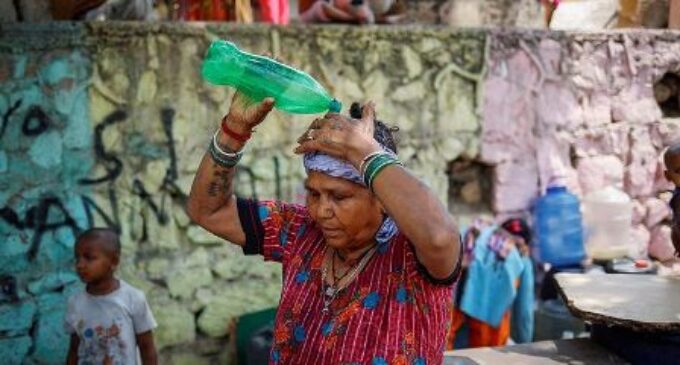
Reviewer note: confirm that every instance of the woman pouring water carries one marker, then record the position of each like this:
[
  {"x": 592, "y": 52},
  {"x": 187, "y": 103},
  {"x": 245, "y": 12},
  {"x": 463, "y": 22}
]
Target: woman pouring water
[{"x": 368, "y": 262}]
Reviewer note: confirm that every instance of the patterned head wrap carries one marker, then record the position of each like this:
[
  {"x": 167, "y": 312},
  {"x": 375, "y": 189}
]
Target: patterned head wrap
[{"x": 331, "y": 166}]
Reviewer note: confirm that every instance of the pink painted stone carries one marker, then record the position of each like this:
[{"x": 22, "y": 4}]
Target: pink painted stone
[
  {"x": 636, "y": 104},
  {"x": 639, "y": 212},
  {"x": 509, "y": 115},
  {"x": 640, "y": 241},
  {"x": 515, "y": 186},
  {"x": 642, "y": 169},
  {"x": 550, "y": 53},
  {"x": 661, "y": 184},
  {"x": 665, "y": 133},
  {"x": 657, "y": 211},
  {"x": 556, "y": 105},
  {"x": 598, "y": 172},
  {"x": 597, "y": 109},
  {"x": 553, "y": 159},
  {"x": 591, "y": 65},
  {"x": 508, "y": 124},
  {"x": 660, "y": 246},
  {"x": 611, "y": 140},
  {"x": 572, "y": 182}
]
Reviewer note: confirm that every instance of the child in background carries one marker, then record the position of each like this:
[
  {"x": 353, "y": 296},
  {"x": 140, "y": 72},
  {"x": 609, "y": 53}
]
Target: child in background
[
  {"x": 110, "y": 319},
  {"x": 672, "y": 161}
]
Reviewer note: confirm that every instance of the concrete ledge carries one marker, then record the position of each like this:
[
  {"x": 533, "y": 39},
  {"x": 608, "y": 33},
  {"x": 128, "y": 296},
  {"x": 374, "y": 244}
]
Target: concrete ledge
[{"x": 578, "y": 351}]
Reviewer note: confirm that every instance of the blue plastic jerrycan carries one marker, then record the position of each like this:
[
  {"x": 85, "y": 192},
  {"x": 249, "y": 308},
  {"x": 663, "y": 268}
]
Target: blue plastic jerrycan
[{"x": 558, "y": 228}]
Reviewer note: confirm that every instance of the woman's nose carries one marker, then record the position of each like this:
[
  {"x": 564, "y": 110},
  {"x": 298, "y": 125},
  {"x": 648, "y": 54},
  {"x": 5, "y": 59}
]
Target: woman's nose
[{"x": 325, "y": 210}]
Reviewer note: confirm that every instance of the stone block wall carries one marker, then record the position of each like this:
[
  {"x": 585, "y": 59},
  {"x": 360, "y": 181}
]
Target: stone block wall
[
  {"x": 581, "y": 108},
  {"x": 103, "y": 124}
]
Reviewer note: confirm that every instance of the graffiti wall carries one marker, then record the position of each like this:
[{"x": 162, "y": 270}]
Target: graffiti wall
[
  {"x": 104, "y": 124},
  {"x": 45, "y": 159}
]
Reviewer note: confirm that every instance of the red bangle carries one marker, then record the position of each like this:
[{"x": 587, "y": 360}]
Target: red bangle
[{"x": 237, "y": 136}]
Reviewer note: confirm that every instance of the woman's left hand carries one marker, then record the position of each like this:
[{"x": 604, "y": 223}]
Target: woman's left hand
[{"x": 341, "y": 137}]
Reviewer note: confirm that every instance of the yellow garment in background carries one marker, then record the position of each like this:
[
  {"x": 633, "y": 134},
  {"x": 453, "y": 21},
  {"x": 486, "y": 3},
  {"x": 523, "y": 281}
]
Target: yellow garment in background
[
  {"x": 628, "y": 14},
  {"x": 243, "y": 10}
]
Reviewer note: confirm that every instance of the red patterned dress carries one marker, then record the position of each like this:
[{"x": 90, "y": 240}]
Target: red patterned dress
[{"x": 393, "y": 312}]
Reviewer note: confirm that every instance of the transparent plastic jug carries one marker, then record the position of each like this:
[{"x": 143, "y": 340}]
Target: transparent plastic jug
[
  {"x": 607, "y": 217},
  {"x": 558, "y": 228},
  {"x": 259, "y": 77}
]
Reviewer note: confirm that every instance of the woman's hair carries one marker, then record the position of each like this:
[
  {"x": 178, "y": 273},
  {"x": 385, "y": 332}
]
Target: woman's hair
[{"x": 382, "y": 133}]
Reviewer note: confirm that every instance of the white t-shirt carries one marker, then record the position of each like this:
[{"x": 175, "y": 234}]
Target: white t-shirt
[{"x": 107, "y": 325}]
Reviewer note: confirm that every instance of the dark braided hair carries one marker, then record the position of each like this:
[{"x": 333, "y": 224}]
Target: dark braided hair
[{"x": 382, "y": 133}]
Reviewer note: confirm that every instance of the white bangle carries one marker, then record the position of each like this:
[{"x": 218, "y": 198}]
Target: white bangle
[{"x": 229, "y": 155}]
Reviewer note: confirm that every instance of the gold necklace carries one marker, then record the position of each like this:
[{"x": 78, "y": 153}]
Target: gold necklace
[{"x": 331, "y": 291}]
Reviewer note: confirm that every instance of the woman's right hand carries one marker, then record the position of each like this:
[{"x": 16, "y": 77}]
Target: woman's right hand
[{"x": 244, "y": 114}]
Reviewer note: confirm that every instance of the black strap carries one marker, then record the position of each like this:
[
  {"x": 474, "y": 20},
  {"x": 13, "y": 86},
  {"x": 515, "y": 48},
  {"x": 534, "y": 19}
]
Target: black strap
[{"x": 251, "y": 225}]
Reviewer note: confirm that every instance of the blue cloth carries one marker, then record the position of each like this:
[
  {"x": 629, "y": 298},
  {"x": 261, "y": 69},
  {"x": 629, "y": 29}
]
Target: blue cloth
[
  {"x": 387, "y": 230},
  {"x": 490, "y": 287},
  {"x": 522, "y": 319}
]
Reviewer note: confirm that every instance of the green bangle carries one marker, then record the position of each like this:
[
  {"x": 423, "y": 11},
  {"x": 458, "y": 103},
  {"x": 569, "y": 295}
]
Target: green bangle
[
  {"x": 380, "y": 168},
  {"x": 377, "y": 164},
  {"x": 372, "y": 164}
]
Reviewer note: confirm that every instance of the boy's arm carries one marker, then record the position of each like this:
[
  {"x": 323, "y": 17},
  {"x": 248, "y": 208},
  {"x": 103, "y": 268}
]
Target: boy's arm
[
  {"x": 147, "y": 348},
  {"x": 675, "y": 237},
  {"x": 675, "y": 222},
  {"x": 72, "y": 358}
]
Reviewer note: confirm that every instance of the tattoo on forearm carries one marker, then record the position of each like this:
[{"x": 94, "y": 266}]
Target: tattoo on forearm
[{"x": 222, "y": 181}]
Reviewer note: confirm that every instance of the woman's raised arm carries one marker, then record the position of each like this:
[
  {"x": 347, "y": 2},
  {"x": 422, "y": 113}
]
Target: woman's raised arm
[{"x": 212, "y": 203}]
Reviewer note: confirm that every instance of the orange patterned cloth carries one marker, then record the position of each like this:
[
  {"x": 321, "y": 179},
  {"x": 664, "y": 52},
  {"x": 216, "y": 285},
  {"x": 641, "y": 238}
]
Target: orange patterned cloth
[{"x": 480, "y": 334}]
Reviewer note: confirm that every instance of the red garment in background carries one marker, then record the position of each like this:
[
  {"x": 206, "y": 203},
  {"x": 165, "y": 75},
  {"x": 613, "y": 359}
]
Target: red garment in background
[
  {"x": 191, "y": 10},
  {"x": 274, "y": 11}
]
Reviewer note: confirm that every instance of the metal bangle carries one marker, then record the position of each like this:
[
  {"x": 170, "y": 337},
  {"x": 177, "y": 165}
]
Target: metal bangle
[
  {"x": 221, "y": 161},
  {"x": 221, "y": 157},
  {"x": 222, "y": 152}
]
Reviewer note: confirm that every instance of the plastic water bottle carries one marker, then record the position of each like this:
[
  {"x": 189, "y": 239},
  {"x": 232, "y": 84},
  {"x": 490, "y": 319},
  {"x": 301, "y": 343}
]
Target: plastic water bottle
[
  {"x": 558, "y": 228},
  {"x": 259, "y": 77},
  {"x": 607, "y": 216}
]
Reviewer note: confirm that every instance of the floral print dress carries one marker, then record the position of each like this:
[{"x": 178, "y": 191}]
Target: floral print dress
[{"x": 393, "y": 312}]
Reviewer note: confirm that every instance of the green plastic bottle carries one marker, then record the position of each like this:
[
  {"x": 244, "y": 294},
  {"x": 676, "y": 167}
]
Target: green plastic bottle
[{"x": 259, "y": 77}]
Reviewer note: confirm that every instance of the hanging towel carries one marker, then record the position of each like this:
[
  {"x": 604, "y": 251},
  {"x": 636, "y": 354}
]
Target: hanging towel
[
  {"x": 522, "y": 319},
  {"x": 490, "y": 287}
]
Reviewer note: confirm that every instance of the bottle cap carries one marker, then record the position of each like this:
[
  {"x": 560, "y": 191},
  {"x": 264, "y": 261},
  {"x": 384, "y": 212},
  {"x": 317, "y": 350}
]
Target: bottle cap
[
  {"x": 557, "y": 181},
  {"x": 335, "y": 106}
]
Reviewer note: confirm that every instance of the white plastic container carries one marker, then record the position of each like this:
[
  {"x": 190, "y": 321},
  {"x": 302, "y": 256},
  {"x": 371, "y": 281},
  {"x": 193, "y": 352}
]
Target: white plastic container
[{"x": 607, "y": 217}]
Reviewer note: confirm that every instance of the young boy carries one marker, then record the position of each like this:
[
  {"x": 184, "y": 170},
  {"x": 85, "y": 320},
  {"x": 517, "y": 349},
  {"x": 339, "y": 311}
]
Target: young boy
[
  {"x": 110, "y": 318},
  {"x": 672, "y": 161}
]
